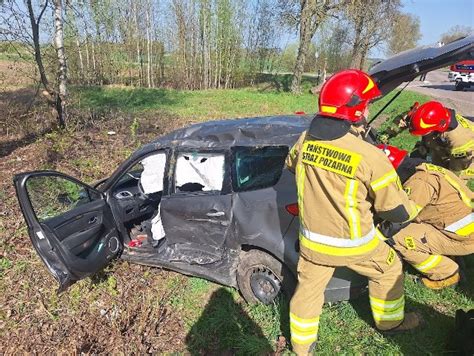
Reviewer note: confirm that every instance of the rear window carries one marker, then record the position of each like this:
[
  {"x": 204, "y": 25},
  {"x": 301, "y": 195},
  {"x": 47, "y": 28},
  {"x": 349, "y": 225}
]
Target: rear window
[{"x": 257, "y": 168}]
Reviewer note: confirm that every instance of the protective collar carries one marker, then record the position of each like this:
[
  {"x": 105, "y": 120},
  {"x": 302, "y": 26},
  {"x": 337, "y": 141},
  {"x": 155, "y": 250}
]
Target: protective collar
[
  {"x": 408, "y": 167},
  {"x": 325, "y": 128}
]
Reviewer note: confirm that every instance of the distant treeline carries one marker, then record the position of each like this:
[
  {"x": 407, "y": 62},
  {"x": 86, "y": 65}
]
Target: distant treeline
[{"x": 192, "y": 44}]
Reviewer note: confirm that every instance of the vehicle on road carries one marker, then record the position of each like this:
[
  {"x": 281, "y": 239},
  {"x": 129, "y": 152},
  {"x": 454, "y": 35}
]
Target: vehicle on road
[
  {"x": 212, "y": 200},
  {"x": 462, "y": 74}
]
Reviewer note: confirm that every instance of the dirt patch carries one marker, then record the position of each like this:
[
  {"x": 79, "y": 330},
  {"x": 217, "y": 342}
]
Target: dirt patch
[
  {"x": 124, "y": 309},
  {"x": 16, "y": 74}
]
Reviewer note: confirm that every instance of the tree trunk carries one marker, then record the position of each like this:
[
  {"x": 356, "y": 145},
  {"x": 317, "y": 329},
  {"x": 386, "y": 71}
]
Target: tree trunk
[
  {"x": 81, "y": 61},
  {"x": 356, "y": 54},
  {"x": 148, "y": 46},
  {"x": 35, "y": 34},
  {"x": 62, "y": 65},
  {"x": 305, "y": 40}
]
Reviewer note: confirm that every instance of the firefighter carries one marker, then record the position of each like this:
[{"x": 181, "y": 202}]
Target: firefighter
[
  {"x": 340, "y": 179},
  {"x": 444, "y": 225},
  {"x": 447, "y": 136}
]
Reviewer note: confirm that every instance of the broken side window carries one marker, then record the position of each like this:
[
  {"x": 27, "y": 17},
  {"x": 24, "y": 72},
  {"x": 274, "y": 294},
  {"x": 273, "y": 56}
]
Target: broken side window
[
  {"x": 199, "y": 172},
  {"x": 257, "y": 168}
]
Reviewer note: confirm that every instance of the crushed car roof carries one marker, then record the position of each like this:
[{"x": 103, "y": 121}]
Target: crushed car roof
[{"x": 271, "y": 130}]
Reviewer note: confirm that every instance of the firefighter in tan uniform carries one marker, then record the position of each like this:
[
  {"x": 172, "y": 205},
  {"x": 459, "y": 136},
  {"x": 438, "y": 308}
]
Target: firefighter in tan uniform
[
  {"x": 447, "y": 136},
  {"x": 445, "y": 222},
  {"x": 340, "y": 179}
]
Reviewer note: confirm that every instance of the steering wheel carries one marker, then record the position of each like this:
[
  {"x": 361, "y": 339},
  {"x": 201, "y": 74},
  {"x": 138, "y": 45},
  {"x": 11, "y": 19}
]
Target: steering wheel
[
  {"x": 132, "y": 176},
  {"x": 140, "y": 189},
  {"x": 147, "y": 196}
]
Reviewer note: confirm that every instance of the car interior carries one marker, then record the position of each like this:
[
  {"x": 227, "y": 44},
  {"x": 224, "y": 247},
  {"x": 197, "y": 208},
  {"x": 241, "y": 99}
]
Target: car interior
[
  {"x": 138, "y": 192},
  {"x": 196, "y": 172}
]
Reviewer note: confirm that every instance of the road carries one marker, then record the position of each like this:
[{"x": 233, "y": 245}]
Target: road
[{"x": 438, "y": 87}]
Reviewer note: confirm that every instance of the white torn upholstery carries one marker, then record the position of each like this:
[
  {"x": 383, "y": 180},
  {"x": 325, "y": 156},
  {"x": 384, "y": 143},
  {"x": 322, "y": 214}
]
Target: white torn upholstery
[
  {"x": 204, "y": 168},
  {"x": 157, "y": 230},
  {"x": 153, "y": 173},
  {"x": 151, "y": 180}
]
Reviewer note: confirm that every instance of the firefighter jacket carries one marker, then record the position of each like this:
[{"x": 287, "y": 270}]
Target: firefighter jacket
[
  {"x": 454, "y": 148},
  {"x": 340, "y": 183},
  {"x": 443, "y": 200}
]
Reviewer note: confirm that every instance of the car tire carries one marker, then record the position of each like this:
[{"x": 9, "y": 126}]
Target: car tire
[
  {"x": 261, "y": 277},
  {"x": 458, "y": 86}
]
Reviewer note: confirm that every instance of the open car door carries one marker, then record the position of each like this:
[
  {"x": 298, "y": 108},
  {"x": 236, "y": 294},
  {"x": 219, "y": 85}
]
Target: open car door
[{"x": 70, "y": 224}]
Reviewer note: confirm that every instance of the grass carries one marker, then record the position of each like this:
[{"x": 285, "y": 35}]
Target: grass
[
  {"x": 197, "y": 105},
  {"x": 127, "y": 307},
  {"x": 225, "y": 322}
]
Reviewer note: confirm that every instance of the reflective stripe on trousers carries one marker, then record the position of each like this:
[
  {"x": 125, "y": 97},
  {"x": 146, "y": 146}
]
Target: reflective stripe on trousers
[
  {"x": 338, "y": 246},
  {"x": 303, "y": 331},
  {"x": 388, "y": 310},
  {"x": 462, "y": 227},
  {"x": 430, "y": 263}
]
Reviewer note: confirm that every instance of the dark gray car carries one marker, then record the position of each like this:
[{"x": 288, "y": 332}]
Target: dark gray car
[{"x": 212, "y": 200}]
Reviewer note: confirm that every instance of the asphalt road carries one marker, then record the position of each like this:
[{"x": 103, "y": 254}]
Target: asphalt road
[{"x": 438, "y": 87}]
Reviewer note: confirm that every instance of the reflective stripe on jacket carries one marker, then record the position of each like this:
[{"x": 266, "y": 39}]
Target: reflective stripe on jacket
[
  {"x": 444, "y": 199},
  {"x": 339, "y": 183}
]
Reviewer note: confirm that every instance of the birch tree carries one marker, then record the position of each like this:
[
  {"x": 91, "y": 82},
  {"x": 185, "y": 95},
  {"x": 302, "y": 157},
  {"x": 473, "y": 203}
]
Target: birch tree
[{"x": 62, "y": 65}]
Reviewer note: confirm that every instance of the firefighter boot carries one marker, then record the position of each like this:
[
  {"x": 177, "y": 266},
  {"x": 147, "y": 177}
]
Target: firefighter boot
[
  {"x": 410, "y": 322},
  {"x": 443, "y": 283}
]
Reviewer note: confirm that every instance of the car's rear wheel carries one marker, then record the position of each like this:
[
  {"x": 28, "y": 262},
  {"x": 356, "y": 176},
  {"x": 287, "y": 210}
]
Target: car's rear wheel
[
  {"x": 261, "y": 277},
  {"x": 459, "y": 85}
]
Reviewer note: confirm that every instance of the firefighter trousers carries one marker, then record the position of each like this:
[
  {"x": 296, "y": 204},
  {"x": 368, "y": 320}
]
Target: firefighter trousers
[
  {"x": 425, "y": 248},
  {"x": 384, "y": 271}
]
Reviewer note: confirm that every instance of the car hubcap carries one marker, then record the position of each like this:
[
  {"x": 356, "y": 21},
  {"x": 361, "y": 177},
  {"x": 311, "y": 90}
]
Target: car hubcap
[{"x": 265, "y": 285}]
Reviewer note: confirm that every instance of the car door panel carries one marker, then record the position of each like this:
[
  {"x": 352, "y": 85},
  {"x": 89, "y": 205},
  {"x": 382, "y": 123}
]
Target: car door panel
[
  {"x": 81, "y": 241},
  {"x": 197, "y": 214},
  {"x": 74, "y": 237},
  {"x": 197, "y": 219},
  {"x": 82, "y": 217}
]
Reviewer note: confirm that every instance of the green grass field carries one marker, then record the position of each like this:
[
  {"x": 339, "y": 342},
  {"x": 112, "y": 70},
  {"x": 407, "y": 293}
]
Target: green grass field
[
  {"x": 225, "y": 321},
  {"x": 205, "y": 317}
]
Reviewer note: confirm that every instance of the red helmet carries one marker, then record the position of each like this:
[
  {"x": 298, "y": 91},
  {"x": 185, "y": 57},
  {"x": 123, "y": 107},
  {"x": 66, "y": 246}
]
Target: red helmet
[
  {"x": 347, "y": 94},
  {"x": 429, "y": 117},
  {"x": 395, "y": 155}
]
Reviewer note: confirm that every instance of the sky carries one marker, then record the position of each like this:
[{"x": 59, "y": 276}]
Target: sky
[{"x": 438, "y": 16}]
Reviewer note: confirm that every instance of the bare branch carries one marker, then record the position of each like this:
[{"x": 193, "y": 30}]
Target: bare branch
[{"x": 42, "y": 12}]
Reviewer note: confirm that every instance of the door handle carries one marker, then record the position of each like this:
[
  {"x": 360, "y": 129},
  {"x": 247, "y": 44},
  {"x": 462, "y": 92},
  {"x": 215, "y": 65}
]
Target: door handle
[
  {"x": 93, "y": 220},
  {"x": 216, "y": 214}
]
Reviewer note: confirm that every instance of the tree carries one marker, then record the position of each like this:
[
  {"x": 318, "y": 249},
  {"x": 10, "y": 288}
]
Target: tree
[
  {"x": 62, "y": 64},
  {"x": 24, "y": 25},
  {"x": 456, "y": 32},
  {"x": 35, "y": 23},
  {"x": 405, "y": 33},
  {"x": 332, "y": 49},
  {"x": 307, "y": 16},
  {"x": 370, "y": 23}
]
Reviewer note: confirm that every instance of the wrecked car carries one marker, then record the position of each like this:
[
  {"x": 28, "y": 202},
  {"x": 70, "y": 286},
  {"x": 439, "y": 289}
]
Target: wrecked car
[{"x": 212, "y": 200}]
